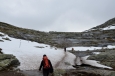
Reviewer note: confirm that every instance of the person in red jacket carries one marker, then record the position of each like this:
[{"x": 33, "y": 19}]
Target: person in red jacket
[{"x": 46, "y": 66}]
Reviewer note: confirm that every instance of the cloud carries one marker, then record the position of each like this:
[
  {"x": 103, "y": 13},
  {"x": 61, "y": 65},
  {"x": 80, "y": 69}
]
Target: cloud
[{"x": 56, "y": 15}]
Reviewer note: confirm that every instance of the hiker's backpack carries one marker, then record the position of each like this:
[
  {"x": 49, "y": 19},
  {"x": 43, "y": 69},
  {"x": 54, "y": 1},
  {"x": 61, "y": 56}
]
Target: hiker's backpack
[{"x": 46, "y": 63}]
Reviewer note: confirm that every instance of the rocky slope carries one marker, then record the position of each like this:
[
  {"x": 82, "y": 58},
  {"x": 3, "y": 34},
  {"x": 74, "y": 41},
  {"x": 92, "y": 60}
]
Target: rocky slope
[
  {"x": 104, "y": 25},
  {"x": 26, "y": 34}
]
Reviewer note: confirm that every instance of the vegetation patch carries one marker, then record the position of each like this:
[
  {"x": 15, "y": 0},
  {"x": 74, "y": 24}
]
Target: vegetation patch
[{"x": 6, "y": 39}]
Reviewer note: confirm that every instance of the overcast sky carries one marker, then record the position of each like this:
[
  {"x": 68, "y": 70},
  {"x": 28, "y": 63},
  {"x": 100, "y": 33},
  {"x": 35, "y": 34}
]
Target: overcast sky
[{"x": 56, "y": 15}]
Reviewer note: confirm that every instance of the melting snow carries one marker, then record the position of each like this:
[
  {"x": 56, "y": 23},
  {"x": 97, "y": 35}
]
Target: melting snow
[
  {"x": 83, "y": 48},
  {"x": 109, "y": 27},
  {"x": 89, "y": 48},
  {"x": 93, "y": 62},
  {"x": 30, "y": 56}
]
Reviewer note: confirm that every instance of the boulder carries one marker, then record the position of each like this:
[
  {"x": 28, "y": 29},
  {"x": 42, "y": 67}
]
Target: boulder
[
  {"x": 8, "y": 60},
  {"x": 112, "y": 74},
  {"x": 6, "y": 56},
  {"x": 106, "y": 58}
]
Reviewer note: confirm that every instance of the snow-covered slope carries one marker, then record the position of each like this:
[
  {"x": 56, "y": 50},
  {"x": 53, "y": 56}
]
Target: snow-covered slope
[{"x": 30, "y": 56}]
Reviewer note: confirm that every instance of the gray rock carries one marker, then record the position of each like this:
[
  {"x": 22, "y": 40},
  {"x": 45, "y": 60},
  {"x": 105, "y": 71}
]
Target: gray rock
[
  {"x": 6, "y": 56},
  {"x": 107, "y": 58},
  {"x": 112, "y": 74},
  {"x": 7, "y": 60}
]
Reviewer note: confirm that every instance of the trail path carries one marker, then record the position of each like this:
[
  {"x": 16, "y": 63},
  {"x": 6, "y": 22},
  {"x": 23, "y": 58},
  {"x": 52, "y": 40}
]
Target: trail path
[
  {"x": 66, "y": 62},
  {"x": 57, "y": 64},
  {"x": 32, "y": 73}
]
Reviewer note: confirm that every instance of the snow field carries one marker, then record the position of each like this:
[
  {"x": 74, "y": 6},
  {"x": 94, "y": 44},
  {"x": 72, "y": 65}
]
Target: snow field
[{"x": 30, "y": 57}]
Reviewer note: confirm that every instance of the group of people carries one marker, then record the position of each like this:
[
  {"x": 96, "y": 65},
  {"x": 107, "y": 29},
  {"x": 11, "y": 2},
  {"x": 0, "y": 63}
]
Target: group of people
[{"x": 46, "y": 66}]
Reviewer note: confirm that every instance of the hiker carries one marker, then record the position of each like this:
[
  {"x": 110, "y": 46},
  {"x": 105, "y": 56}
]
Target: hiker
[
  {"x": 1, "y": 51},
  {"x": 72, "y": 49},
  {"x": 46, "y": 66},
  {"x": 65, "y": 49}
]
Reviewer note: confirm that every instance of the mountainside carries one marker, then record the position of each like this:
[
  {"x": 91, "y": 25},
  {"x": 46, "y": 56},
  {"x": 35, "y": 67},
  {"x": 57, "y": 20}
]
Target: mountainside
[
  {"x": 101, "y": 35},
  {"x": 25, "y": 34},
  {"x": 105, "y": 25}
]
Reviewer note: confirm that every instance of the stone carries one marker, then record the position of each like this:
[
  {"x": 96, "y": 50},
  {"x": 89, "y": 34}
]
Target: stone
[
  {"x": 8, "y": 60},
  {"x": 112, "y": 74}
]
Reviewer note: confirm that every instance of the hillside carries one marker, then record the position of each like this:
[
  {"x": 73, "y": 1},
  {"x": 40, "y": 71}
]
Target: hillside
[
  {"x": 108, "y": 23},
  {"x": 25, "y": 34},
  {"x": 101, "y": 35}
]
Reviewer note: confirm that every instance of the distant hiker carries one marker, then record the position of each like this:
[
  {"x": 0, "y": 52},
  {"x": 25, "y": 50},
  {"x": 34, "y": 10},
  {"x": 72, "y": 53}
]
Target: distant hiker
[
  {"x": 46, "y": 66},
  {"x": 65, "y": 49},
  {"x": 1, "y": 51},
  {"x": 55, "y": 48},
  {"x": 72, "y": 49}
]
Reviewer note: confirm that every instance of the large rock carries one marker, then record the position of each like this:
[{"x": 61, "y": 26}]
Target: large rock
[
  {"x": 107, "y": 58},
  {"x": 6, "y": 56},
  {"x": 8, "y": 60},
  {"x": 112, "y": 74}
]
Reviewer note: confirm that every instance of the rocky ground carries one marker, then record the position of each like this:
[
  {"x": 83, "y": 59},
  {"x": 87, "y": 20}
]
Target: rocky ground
[{"x": 11, "y": 73}]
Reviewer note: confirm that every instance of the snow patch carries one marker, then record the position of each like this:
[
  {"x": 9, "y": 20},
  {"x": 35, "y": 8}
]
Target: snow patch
[
  {"x": 93, "y": 63},
  {"x": 109, "y": 27},
  {"x": 83, "y": 48}
]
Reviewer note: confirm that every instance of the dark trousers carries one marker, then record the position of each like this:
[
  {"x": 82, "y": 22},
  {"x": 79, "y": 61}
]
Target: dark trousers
[{"x": 45, "y": 72}]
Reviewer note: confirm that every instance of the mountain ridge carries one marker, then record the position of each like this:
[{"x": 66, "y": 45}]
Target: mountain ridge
[
  {"x": 105, "y": 24},
  {"x": 95, "y": 36}
]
